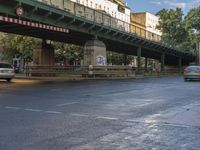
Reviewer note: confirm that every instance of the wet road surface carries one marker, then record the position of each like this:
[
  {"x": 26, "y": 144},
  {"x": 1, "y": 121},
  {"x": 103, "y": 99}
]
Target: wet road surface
[{"x": 143, "y": 114}]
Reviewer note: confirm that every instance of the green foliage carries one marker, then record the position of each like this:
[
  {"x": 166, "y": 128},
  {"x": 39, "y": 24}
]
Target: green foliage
[
  {"x": 172, "y": 26},
  {"x": 192, "y": 24},
  {"x": 118, "y": 59},
  {"x": 180, "y": 32},
  {"x": 17, "y": 44},
  {"x": 69, "y": 51},
  {"x": 193, "y": 19}
]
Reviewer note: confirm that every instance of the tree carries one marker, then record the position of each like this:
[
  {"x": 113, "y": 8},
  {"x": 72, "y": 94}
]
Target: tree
[
  {"x": 17, "y": 44},
  {"x": 193, "y": 19},
  {"x": 192, "y": 24},
  {"x": 118, "y": 58},
  {"x": 73, "y": 53},
  {"x": 172, "y": 26}
]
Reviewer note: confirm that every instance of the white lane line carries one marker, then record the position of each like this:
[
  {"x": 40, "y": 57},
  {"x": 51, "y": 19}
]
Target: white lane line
[
  {"x": 138, "y": 121},
  {"x": 16, "y": 108},
  {"x": 65, "y": 104},
  {"x": 107, "y": 118},
  {"x": 53, "y": 112},
  {"x": 80, "y": 115},
  {"x": 33, "y": 110}
]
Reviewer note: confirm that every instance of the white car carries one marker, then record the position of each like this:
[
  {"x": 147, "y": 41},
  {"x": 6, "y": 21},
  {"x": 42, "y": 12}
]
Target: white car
[{"x": 6, "y": 72}]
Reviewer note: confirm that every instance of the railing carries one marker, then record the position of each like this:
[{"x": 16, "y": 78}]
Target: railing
[
  {"x": 95, "y": 71},
  {"x": 101, "y": 17},
  {"x": 84, "y": 71}
]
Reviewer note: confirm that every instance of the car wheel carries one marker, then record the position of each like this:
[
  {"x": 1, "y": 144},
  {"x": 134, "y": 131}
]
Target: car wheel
[
  {"x": 185, "y": 79},
  {"x": 9, "y": 79}
]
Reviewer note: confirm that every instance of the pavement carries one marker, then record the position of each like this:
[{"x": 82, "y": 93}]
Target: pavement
[
  {"x": 130, "y": 114},
  {"x": 79, "y": 77}
]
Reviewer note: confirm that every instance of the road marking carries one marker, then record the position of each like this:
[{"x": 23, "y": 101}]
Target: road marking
[
  {"x": 34, "y": 110},
  {"x": 16, "y": 108},
  {"x": 107, "y": 118},
  {"x": 80, "y": 115},
  {"x": 53, "y": 112},
  {"x": 137, "y": 121},
  {"x": 65, "y": 104}
]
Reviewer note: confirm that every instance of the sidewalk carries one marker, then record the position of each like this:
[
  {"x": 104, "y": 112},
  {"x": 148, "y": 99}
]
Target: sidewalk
[{"x": 63, "y": 78}]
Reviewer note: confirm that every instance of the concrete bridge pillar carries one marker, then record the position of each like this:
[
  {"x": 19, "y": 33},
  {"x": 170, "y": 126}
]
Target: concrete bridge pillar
[
  {"x": 162, "y": 62},
  {"x": 138, "y": 58},
  {"x": 43, "y": 54},
  {"x": 180, "y": 63},
  {"x": 95, "y": 53},
  {"x": 146, "y": 63},
  {"x": 125, "y": 59}
]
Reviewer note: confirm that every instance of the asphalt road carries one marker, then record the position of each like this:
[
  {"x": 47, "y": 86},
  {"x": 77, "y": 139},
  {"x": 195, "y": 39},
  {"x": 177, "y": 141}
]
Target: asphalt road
[{"x": 133, "y": 114}]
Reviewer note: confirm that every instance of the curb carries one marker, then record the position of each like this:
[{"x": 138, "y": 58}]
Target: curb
[{"x": 57, "y": 79}]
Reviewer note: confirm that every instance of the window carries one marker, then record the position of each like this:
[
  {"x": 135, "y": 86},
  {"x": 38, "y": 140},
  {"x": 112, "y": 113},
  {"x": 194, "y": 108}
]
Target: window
[
  {"x": 91, "y": 4},
  {"x": 86, "y": 2}
]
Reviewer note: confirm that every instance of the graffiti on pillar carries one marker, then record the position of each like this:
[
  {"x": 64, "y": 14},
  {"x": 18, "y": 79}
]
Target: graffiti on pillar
[{"x": 101, "y": 60}]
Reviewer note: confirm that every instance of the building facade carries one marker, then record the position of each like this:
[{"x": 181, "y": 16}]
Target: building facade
[
  {"x": 144, "y": 24},
  {"x": 115, "y": 12},
  {"x": 115, "y": 8}
]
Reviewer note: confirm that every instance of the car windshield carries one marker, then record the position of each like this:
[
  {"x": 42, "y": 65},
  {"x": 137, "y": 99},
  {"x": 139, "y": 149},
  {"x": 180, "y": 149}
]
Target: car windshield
[
  {"x": 2, "y": 65},
  {"x": 194, "y": 68}
]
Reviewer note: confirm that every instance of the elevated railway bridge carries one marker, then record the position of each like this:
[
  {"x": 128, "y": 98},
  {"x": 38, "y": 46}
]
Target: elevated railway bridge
[{"x": 73, "y": 23}]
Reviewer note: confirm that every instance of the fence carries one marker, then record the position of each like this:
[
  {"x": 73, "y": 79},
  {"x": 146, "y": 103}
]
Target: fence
[{"x": 94, "y": 71}]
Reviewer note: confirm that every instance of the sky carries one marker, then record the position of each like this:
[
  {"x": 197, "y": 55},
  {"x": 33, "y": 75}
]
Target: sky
[{"x": 153, "y": 6}]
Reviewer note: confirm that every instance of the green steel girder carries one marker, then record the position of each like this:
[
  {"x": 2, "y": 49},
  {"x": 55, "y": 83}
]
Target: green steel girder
[
  {"x": 48, "y": 14},
  {"x": 82, "y": 24},
  {"x": 108, "y": 31},
  {"x": 101, "y": 29},
  {"x": 158, "y": 46},
  {"x": 115, "y": 34},
  {"x": 35, "y": 9},
  {"x": 61, "y": 18},
  {"x": 91, "y": 27},
  {"x": 128, "y": 37},
  {"x": 37, "y": 6},
  {"x": 122, "y": 36}
]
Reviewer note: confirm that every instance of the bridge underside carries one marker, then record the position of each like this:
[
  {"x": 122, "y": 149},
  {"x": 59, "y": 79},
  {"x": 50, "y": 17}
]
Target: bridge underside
[
  {"x": 80, "y": 39},
  {"x": 81, "y": 30}
]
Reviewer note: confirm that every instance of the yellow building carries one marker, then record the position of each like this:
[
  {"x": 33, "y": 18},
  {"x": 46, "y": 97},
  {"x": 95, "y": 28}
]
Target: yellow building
[
  {"x": 144, "y": 24},
  {"x": 138, "y": 24}
]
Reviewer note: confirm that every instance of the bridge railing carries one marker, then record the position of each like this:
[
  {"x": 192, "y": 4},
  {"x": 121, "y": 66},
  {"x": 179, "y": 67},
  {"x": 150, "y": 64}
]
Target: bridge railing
[
  {"x": 101, "y": 17},
  {"x": 95, "y": 71},
  {"x": 85, "y": 71}
]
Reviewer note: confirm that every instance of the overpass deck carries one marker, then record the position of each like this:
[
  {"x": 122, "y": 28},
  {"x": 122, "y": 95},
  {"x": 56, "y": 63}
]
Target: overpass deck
[{"x": 75, "y": 27}]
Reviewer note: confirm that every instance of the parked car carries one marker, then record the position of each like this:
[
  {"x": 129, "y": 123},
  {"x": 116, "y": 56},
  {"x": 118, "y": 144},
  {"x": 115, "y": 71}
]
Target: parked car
[
  {"x": 6, "y": 71},
  {"x": 192, "y": 73}
]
